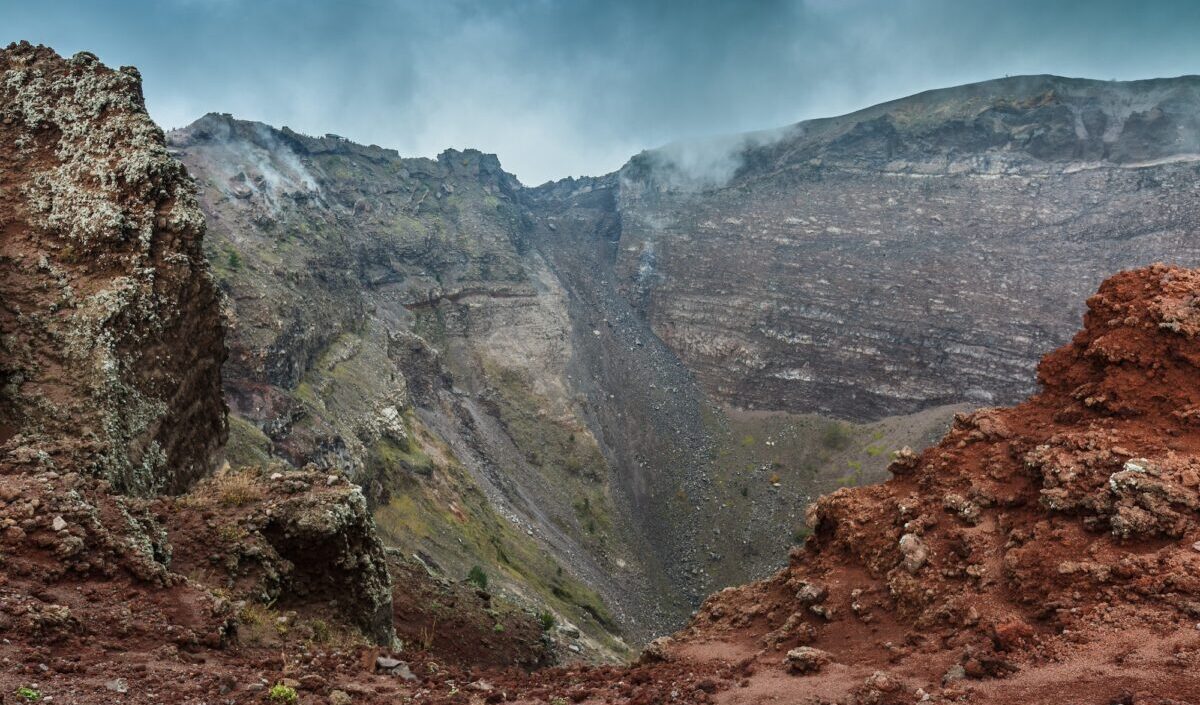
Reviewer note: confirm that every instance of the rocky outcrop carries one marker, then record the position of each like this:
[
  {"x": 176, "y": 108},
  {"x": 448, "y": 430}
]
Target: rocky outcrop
[
  {"x": 297, "y": 539},
  {"x": 112, "y": 345},
  {"x": 1044, "y": 531}
]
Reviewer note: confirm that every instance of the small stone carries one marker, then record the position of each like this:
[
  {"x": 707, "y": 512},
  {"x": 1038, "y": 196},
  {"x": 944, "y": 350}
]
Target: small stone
[
  {"x": 811, "y": 593},
  {"x": 904, "y": 461},
  {"x": 806, "y": 659},
  {"x": 276, "y": 476},
  {"x": 331, "y": 480},
  {"x": 914, "y": 551},
  {"x": 340, "y": 697},
  {"x": 59, "y": 523},
  {"x": 954, "y": 673},
  {"x": 117, "y": 685},
  {"x": 656, "y": 651},
  {"x": 569, "y": 630},
  {"x": 1196, "y": 546},
  {"x": 394, "y": 667}
]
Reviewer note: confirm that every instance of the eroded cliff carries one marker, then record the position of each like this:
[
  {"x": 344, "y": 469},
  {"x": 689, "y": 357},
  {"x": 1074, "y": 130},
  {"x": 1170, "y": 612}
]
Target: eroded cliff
[
  {"x": 919, "y": 252},
  {"x": 112, "y": 345}
]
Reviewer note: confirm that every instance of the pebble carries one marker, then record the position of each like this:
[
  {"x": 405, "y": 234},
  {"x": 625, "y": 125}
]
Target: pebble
[
  {"x": 117, "y": 685},
  {"x": 1196, "y": 546},
  {"x": 59, "y": 523}
]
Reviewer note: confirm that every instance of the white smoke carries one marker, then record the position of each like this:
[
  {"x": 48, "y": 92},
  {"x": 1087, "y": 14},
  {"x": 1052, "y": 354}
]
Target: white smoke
[{"x": 708, "y": 163}]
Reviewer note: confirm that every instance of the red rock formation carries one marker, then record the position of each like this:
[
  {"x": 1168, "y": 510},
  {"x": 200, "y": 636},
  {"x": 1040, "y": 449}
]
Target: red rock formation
[
  {"x": 112, "y": 341},
  {"x": 1047, "y": 550}
]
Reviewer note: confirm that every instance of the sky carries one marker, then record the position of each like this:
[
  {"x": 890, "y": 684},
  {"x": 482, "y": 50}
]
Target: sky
[{"x": 576, "y": 87}]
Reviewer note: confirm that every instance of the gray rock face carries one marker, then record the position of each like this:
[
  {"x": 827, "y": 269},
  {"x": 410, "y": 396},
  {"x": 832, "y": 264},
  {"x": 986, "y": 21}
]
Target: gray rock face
[{"x": 919, "y": 252}]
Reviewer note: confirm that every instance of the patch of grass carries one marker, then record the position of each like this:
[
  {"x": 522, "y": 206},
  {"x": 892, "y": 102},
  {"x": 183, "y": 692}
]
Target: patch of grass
[
  {"x": 231, "y": 534},
  {"x": 238, "y": 488},
  {"x": 387, "y": 456},
  {"x": 478, "y": 576},
  {"x": 31, "y": 695}
]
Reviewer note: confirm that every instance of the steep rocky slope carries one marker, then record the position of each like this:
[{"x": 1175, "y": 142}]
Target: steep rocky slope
[
  {"x": 563, "y": 384},
  {"x": 501, "y": 402},
  {"x": 388, "y": 317},
  {"x": 915, "y": 253}
]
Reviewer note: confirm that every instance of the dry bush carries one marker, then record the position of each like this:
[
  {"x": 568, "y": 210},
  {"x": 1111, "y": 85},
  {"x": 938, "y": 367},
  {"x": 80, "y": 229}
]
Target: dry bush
[{"x": 235, "y": 489}]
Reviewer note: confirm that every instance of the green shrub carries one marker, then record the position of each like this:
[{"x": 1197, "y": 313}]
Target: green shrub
[
  {"x": 281, "y": 693},
  {"x": 546, "y": 617},
  {"x": 321, "y": 631},
  {"x": 28, "y": 693},
  {"x": 477, "y": 576},
  {"x": 836, "y": 436}
]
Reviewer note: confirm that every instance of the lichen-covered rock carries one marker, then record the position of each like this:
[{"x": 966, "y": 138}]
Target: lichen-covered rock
[
  {"x": 112, "y": 342},
  {"x": 332, "y": 552},
  {"x": 805, "y": 660},
  {"x": 299, "y": 539}
]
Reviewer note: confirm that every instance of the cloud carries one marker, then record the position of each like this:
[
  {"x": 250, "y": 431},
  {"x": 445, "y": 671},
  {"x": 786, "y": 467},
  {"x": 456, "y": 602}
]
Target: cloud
[{"x": 572, "y": 88}]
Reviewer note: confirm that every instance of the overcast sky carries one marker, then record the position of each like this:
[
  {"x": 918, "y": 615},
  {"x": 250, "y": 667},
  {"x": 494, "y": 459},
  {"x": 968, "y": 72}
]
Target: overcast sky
[{"x": 576, "y": 87}]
